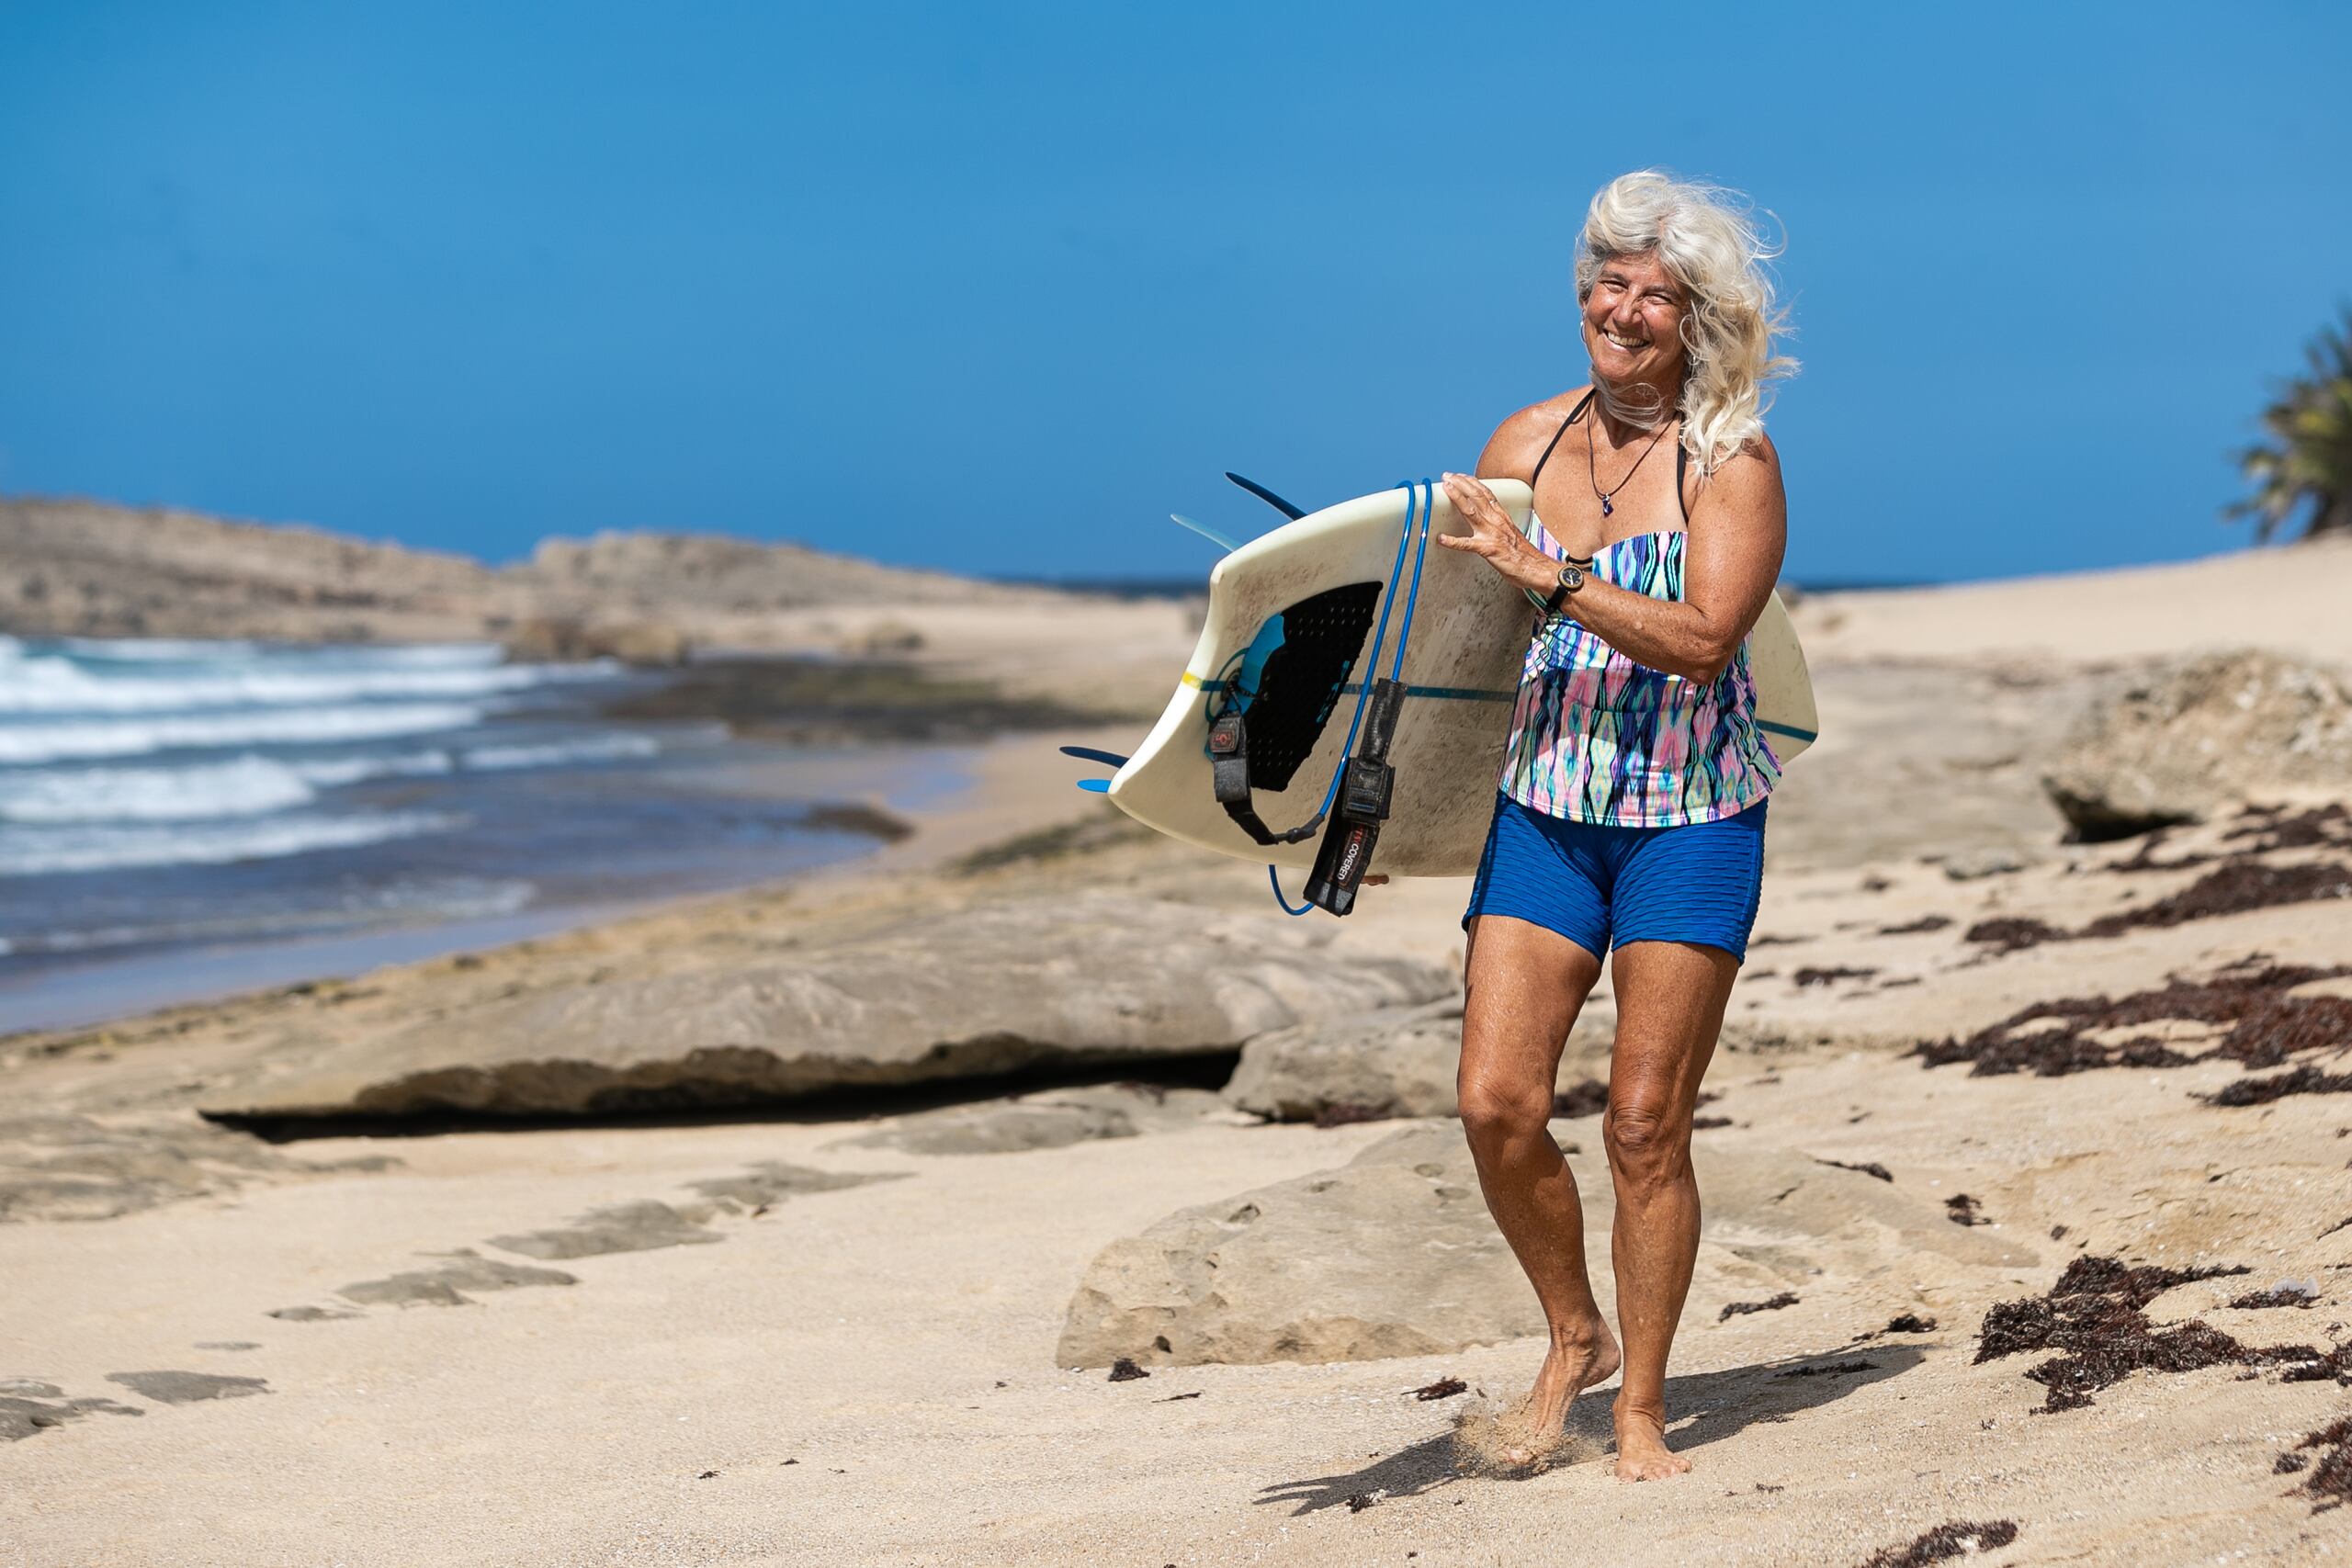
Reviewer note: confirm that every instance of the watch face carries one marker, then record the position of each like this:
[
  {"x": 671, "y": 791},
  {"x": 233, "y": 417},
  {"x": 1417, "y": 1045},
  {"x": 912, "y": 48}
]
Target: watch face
[{"x": 1571, "y": 578}]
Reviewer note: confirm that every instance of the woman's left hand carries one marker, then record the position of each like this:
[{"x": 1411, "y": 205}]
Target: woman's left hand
[{"x": 1494, "y": 538}]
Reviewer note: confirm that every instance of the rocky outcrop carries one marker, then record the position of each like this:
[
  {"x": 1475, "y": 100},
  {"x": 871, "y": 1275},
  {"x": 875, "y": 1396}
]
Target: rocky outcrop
[
  {"x": 1051, "y": 1119},
  {"x": 1393, "y": 1254},
  {"x": 1367, "y": 1065},
  {"x": 85, "y": 568},
  {"x": 995, "y": 987},
  {"x": 2185, "y": 738}
]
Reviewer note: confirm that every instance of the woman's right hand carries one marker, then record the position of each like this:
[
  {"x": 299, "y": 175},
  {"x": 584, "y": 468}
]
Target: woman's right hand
[{"x": 1495, "y": 539}]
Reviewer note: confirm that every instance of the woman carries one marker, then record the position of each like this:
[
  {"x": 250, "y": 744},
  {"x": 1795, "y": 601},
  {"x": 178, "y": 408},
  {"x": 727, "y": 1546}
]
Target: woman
[{"x": 1631, "y": 818}]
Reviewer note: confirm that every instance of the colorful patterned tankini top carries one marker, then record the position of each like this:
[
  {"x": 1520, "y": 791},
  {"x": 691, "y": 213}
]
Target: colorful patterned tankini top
[{"x": 1597, "y": 737}]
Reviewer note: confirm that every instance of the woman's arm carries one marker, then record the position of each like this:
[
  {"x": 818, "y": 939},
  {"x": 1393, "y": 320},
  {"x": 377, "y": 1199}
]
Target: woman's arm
[{"x": 1739, "y": 533}]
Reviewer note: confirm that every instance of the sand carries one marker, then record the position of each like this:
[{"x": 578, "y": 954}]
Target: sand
[{"x": 864, "y": 1374}]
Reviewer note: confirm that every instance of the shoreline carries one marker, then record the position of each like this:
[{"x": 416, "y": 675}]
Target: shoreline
[{"x": 1006, "y": 787}]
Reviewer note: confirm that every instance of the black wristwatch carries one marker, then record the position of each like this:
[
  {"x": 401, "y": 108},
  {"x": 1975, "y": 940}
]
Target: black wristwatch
[{"x": 1571, "y": 578}]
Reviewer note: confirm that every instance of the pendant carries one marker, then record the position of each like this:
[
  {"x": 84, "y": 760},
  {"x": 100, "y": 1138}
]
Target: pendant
[{"x": 1605, "y": 508}]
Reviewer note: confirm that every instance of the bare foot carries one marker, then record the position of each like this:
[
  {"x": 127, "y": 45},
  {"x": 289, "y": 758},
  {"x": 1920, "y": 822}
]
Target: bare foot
[
  {"x": 1641, "y": 1453},
  {"x": 1575, "y": 1363}
]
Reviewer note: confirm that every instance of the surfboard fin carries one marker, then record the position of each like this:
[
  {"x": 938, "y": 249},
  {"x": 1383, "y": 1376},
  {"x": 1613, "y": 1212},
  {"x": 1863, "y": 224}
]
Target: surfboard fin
[
  {"x": 1211, "y": 535},
  {"x": 1269, "y": 497},
  {"x": 1089, "y": 754}
]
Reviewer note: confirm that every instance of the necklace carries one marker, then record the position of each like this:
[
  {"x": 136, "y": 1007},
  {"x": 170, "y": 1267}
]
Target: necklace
[{"x": 1592, "y": 472}]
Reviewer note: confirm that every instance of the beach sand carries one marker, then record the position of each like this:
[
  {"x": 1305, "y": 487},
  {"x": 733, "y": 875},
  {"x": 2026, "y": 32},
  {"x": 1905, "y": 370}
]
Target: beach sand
[{"x": 865, "y": 1373}]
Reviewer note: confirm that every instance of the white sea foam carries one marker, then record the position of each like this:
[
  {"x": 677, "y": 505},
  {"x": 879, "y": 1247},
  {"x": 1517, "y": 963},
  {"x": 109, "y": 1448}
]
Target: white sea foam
[
  {"x": 78, "y": 849},
  {"x": 72, "y": 740},
  {"x": 597, "y": 749},
  {"x": 60, "y": 685},
  {"x": 249, "y": 786}
]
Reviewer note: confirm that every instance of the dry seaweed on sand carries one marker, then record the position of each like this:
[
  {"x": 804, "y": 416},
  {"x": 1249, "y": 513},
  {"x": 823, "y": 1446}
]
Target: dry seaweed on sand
[
  {"x": 1348, "y": 1112},
  {"x": 2230, "y": 890},
  {"x": 2237, "y": 886},
  {"x": 1909, "y": 1323},
  {"x": 2330, "y": 1481},
  {"x": 1125, "y": 1369},
  {"x": 2305, "y": 1080},
  {"x": 1961, "y": 1537},
  {"x": 2265, "y": 1025},
  {"x": 1444, "y": 1388},
  {"x": 1735, "y": 1309},
  {"x": 1867, "y": 1168},
  {"x": 2093, "y": 1315},
  {"x": 1915, "y": 928},
  {"x": 1962, "y": 1210},
  {"x": 2285, "y": 1293},
  {"x": 1827, "y": 976},
  {"x": 1830, "y": 1370},
  {"x": 2009, "y": 933},
  {"x": 1590, "y": 1098}
]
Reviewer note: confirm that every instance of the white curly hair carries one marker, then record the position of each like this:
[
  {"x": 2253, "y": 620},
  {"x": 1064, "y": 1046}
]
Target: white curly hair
[{"x": 1707, "y": 239}]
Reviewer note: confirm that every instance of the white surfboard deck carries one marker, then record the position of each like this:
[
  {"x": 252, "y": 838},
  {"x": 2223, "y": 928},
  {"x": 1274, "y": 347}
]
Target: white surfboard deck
[{"x": 1469, "y": 638}]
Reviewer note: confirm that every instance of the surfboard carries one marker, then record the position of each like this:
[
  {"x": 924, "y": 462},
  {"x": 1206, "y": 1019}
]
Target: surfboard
[{"x": 1302, "y": 618}]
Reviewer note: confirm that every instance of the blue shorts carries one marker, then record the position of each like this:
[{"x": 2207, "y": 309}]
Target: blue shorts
[{"x": 1606, "y": 886}]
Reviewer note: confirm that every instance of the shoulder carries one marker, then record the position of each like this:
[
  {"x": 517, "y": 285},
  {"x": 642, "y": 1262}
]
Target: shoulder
[
  {"x": 1746, "y": 485},
  {"x": 1513, "y": 450},
  {"x": 1754, "y": 470}
]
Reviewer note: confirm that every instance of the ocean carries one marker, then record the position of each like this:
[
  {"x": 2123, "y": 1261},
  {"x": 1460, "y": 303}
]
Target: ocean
[{"x": 181, "y": 818}]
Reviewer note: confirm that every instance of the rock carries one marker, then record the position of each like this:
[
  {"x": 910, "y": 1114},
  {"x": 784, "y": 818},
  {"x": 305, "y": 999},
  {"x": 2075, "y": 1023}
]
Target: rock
[
  {"x": 980, "y": 990},
  {"x": 1975, "y": 865},
  {"x": 771, "y": 1181},
  {"x": 444, "y": 1285},
  {"x": 556, "y": 640},
  {"x": 1399, "y": 1061},
  {"x": 22, "y": 1417},
  {"x": 56, "y": 1166},
  {"x": 1394, "y": 1062},
  {"x": 1395, "y": 1255},
  {"x": 2180, "y": 740},
  {"x": 1052, "y": 1120},
  {"x": 187, "y": 1388},
  {"x": 623, "y": 1227}
]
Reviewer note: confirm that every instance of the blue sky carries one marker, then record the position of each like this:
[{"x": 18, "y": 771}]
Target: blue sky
[{"x": 995, "y": 288}]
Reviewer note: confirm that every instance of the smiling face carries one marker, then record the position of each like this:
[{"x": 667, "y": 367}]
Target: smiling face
[{"x": 1633, "y": 323}]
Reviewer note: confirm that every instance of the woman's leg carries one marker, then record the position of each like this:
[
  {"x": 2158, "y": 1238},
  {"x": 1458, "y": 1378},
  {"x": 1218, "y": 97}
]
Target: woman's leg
[
  {"x": 1526, "y": 984},
  {"x": 1670, "y": 998}
]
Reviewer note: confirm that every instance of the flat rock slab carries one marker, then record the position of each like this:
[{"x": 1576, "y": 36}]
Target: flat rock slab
[
  {"x": 1395, "y": 1255},
  {"x": 446, "y": 1281},
  {"x": 1051, "y": 1119},
  {"x": 1392, "y": 1061},
  {"x": 56, "y": 1166},
  {"x": 985, "y": 989},
  {"x": 187, "y": 1388},
  {"x": 623, "y": 1227},
  {"x": 23, "y": 1415}
]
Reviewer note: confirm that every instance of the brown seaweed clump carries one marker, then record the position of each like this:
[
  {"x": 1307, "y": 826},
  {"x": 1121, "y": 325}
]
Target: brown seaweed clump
[
  {"x": 1735, "y": 1309},
  {"x": 1590, "y": 1098},
  {"x": 2093, "y": 1315},
  {"x": 1867, "y": 1166},
  {"x": 2235, "y": 888},
  {"x": 2305, "y": 1080},
  {"x": 2330, "y": 1482},
  {"x": 1962, "y": 1210},
  {"x": 2265, "y": 1026},
  {"x": 1959, "y": 1538}
]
